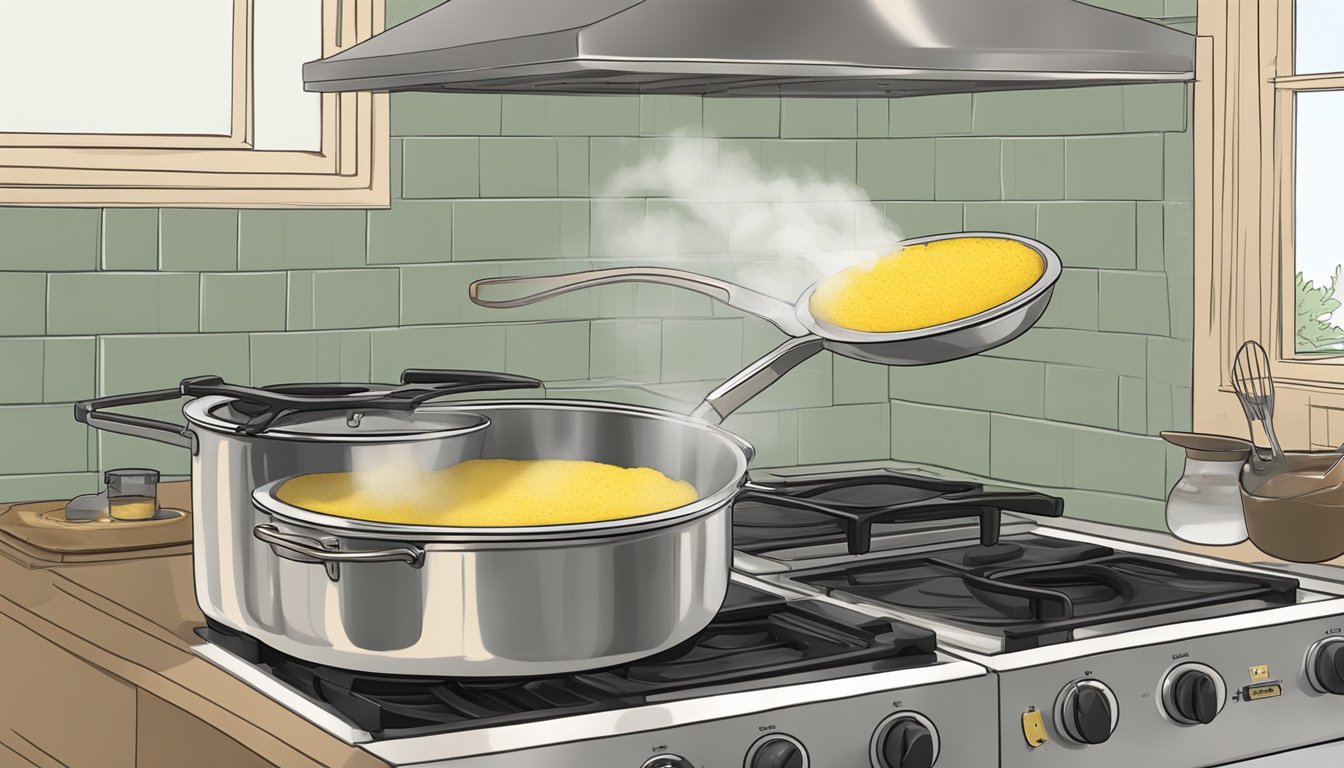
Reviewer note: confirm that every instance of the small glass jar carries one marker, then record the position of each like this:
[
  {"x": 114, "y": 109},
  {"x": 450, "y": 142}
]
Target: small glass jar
[
  {"x": 1204, "y": 506},
  {"x": 132, "y": 494}
]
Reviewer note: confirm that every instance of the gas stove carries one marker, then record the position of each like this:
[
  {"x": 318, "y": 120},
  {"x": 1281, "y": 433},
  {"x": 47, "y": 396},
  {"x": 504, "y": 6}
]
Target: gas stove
[
  {"x": 777, "y": 676},
  {"x": 900, "y": 621}
]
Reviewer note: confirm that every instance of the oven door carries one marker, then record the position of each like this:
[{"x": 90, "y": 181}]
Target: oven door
[{"x": 1309, "y": 757}]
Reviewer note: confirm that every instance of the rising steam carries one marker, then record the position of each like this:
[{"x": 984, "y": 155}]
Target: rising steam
[{"x": 709, "y": 201}]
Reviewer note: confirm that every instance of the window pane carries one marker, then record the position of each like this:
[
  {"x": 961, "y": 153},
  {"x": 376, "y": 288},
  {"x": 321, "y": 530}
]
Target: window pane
[
  {"x": 286, "y": 33},
  {"x": 135, "y": 66},
  {"x": 1318, "y": 40},
  {"x": 1319, "y": 201}
]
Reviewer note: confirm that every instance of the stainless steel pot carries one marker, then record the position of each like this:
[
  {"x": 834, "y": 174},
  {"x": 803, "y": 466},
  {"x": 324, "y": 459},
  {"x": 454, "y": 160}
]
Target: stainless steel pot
[
  {"x": 504, "y": 602},
  {"x": 808, "y": 334},
  {"x": 435, "y": 601}
]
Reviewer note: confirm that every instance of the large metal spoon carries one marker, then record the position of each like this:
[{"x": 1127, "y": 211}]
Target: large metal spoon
[{"x": 808, "y": 334}]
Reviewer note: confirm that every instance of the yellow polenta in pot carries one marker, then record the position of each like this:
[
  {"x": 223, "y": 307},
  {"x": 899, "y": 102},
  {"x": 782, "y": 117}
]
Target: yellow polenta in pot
[
  {"x": 490, "y": 493},
  {"x": 925, "y": 285}
]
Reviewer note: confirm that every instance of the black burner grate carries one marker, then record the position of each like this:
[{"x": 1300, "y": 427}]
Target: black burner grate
[
  {"x": 756, "y": 640},
  {"x": 818, "y": 509},
  {"x": 1034, "y": 590}
]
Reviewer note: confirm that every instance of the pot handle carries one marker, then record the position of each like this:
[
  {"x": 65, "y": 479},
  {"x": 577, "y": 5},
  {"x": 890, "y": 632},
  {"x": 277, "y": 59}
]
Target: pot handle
[
  {"x": 756, "y": 378},
  {"x": 91, "y": 412},
  {"x": 779, "y": 313},
  {"x": 313, "y": 551}
]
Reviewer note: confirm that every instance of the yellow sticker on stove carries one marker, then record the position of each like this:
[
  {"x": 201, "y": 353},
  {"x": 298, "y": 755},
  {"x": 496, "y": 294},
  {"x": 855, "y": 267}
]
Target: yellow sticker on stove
[
  {"x": 1259, "y": 673},
  {"x": 1033, "y": 727},
  {"x": 1267, "y": 691}
]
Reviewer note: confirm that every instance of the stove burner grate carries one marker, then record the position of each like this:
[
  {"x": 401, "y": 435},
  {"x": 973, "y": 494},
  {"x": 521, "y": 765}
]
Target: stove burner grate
[
  {"x": 756, "y": 640},
  {"x": 1037, "y": 590},
  {"x": 805, "y": 511}
]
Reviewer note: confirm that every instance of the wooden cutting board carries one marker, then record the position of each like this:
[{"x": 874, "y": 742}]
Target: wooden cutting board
[{"x": 39, "y": 531}]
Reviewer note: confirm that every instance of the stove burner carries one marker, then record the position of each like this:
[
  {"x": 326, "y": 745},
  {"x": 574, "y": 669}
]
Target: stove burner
[
  {"x": 1036, "y": 590},
  {"x": 811, "y": 510},
  {"x": 757, "y": 640},
  {"x": 996, "y": 553}
]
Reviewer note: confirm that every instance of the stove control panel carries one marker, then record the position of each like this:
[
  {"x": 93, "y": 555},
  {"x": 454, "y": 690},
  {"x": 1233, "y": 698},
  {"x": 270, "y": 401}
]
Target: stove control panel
[
  {"x": 936, "y": 725},
  {"x": 1199, "y": 701}
]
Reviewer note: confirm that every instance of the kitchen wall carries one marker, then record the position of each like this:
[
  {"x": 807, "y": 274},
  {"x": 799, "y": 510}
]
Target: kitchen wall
[{"x": 116, "y": 300}]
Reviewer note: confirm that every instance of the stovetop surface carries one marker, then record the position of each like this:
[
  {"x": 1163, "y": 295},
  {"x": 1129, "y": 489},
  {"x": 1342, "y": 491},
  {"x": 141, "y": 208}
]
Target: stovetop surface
[
  {"x": 757, "y": 640},
  {"x": 1032, "y": 590}
]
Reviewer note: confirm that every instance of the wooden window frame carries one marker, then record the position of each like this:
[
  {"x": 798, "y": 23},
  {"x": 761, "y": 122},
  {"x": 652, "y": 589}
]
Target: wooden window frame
[
  {"x": 1245, "y": 272},
  {"x": 349, "y": 170}
]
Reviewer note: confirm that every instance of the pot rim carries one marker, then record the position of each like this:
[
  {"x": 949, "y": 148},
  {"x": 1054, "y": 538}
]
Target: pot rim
[
  {"x": 200, "y": 413},
  {"x": 264, "y": 499}
]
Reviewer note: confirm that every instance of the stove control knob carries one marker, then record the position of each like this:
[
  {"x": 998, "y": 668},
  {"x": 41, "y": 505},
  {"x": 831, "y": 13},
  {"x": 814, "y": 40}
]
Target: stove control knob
[
  {"x": 777, "y": 751},
  {"x": 1325, "y": 666},
  {"x": 1087, "y": 711},
  {"x": 1193, "y": 694},
  {"x": 668, "y": 761},
  {"x": 905, "y": 740}
]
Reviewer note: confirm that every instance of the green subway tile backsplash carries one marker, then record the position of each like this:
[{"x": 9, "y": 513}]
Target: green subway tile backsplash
[
  {"x": 668, "y": 115},
  {"x": 968, "y": 169},
  {"x": 277, "y": 240},
  {"x": 441, "y": 167},
  {"x": 489, "y": 230},
  {"x": 129, "y": 302},
  {"x": 243, "y": 301},
  {"x": 818, "y": 118},
  {"x": 742, "y": 117},
  {"x": 1062, "y": 112},
  {"x": 41, "y": 439},
  {"x": 135, "y": 363},
  {"x": 21, "y": 370},
  {"x": 23, "y": 303},
  {"x": 442, "y": 114},
  {"x": 130, "y": 239},
  {"x": 355, "y": 298},
  {"x": 48, "y": 239},
  {"x": 412, "y": 231},
  {"x": 930, "y": 115},
  {"x": 68, "y": 369},
  {"x": 897, "y": 169},
  {"x": 198, "y": 239},
  {"x": 121, "y": 300},
  {"x": 1033, "y": 169},
  {"x": 1113, "y": 167},
  {"x": 1090, "y": 234},
  {"x": 519, "y": 167}
]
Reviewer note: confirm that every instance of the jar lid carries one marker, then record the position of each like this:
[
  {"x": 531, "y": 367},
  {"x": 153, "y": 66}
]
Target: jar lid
[
  {"x": 131, "y": 473},
  {"x": 1206, "y": 447}
]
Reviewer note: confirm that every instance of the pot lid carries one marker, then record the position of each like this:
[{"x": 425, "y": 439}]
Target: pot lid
[
  {"x": 345, "y": 411},
  {"x": 371, "y": 426},
  {"x": 758, "y": 48}
]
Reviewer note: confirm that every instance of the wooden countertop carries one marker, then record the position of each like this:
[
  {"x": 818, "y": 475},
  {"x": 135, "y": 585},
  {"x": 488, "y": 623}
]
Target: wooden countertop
[{"x": 133, "y": 621}]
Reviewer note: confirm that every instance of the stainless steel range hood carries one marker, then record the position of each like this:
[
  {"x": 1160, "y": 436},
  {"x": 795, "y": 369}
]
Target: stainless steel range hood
[{"x": 758, "y": 47}]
